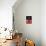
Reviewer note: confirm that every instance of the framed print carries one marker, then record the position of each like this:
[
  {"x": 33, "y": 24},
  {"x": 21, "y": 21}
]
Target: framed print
[{"x": 28, "y": 19}]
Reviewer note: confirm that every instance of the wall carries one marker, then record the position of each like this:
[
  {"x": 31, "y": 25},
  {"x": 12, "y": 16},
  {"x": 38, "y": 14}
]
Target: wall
[
  {"x": 43, "y": 22},
  {"x": 29, "y": 8}
]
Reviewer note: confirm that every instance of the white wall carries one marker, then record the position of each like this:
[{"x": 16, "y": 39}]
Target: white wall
[
  {"x": 29, "y": 8},
  {"x": 43, "y": 22},
  {"x": 6, "y": 13}
]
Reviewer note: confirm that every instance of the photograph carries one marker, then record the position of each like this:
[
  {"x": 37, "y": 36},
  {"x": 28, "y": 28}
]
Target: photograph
[{"x": 22, "y": 22}]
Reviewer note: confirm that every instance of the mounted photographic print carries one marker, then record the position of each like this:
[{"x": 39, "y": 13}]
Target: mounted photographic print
[{"x": 28, "y": 19}]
